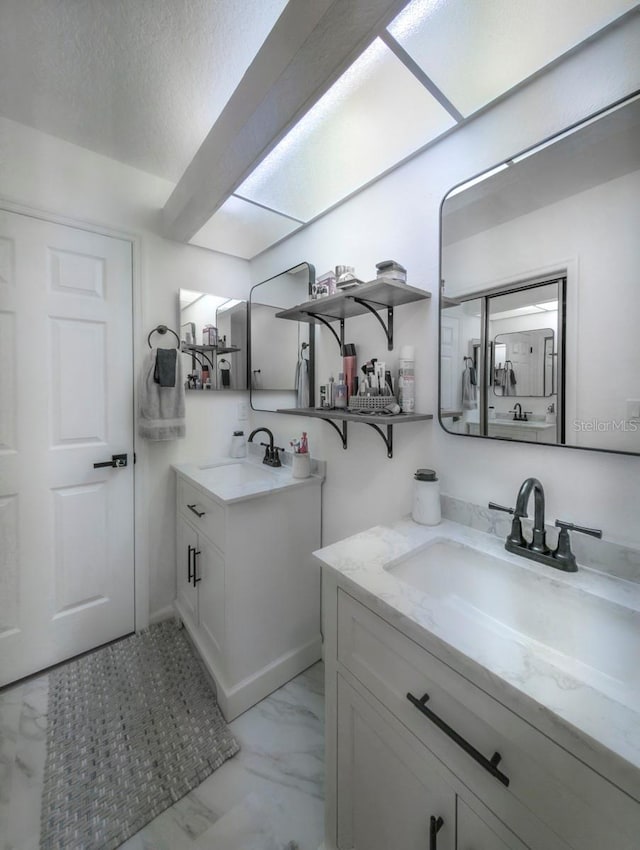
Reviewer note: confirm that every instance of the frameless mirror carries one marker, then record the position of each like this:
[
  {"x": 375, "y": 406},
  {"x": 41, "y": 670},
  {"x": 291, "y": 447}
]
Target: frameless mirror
[
  {"x": 213, "y": 340},
  {"x": 540, "y": 303},
  {"x": 281, "y": 351}
]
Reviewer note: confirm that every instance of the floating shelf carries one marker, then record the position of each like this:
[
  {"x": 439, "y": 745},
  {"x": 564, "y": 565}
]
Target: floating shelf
[
  {"x": 203, "y": 349},
  {"x": 368, "y": 297},
  {"x": 374, "y": 420}
]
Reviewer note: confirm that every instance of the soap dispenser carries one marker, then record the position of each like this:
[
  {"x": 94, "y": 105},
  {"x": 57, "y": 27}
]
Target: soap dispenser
[
  {"x": 238, "y": 444},
  {"x": 426, "y": 498}
]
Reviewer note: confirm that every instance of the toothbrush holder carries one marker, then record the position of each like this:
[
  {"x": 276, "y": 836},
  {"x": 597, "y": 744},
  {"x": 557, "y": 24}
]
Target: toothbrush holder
[{"x": 301, "y": 465}]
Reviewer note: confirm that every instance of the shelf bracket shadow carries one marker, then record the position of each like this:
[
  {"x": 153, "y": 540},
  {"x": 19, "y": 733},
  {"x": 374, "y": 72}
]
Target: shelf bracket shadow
[
  {"x": 342, "y": 432},
  {"x": 323, "y": 321},
  {"x": 388, "y": 328}
]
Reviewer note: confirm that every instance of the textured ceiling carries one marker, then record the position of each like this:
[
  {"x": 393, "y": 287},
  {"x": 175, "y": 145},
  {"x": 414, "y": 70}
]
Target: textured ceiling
[{"x": 141, "y": 81}]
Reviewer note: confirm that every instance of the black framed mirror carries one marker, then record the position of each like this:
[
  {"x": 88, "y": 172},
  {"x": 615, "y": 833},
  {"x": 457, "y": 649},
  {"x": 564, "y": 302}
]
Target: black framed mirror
[
  {"x": 281, "y": 351},
  {"x": 539, "y": 308}
]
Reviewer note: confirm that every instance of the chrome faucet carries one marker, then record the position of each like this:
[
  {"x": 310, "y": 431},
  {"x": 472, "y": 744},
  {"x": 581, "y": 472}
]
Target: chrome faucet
[
  {"x": 271, "y": 456},
  {"x": 562, "y": 558}
]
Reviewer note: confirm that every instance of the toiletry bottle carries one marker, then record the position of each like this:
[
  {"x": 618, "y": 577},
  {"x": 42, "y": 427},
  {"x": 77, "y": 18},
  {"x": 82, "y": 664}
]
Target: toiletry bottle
[
  {"x": 349, "y": 368},
  {"x": 406, "y": 380},
  {"x": 426, "y": 497},
  {"x": 238, "y": 444},
  {"x": 340, "y": 399},
  {"x": 331, "y": 392}
]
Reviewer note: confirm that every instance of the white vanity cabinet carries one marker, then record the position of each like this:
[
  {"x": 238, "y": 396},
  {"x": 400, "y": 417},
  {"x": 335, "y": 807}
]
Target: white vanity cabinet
[
  {"x": 248, "y": 588},
  {"x": 391, "y": 768}
]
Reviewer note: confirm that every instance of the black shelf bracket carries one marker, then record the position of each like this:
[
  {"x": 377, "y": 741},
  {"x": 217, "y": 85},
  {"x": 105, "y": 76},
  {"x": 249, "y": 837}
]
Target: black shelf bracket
[
  {"x": 341, "y": 432},
  {"x": 388, "y": 440},
  {"x": 388, "y": 328},
  {"x": 323, "y": 321}
]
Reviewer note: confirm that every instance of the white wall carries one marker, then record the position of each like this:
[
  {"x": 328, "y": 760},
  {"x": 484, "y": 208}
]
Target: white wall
[
  {"x": 398, "y": 218},
  {"x": 51, "y": 175}
]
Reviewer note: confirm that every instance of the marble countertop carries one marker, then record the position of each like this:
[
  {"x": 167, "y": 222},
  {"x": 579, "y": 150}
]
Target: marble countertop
[
  {"x": 210, "y": 476},
  {"x": 536, "y": 424},
  {"x": 595, "y": 727}
]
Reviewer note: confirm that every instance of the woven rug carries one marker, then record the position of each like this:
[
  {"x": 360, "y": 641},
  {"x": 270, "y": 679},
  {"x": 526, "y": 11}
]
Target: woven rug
[{"x": 131, "y": 729}]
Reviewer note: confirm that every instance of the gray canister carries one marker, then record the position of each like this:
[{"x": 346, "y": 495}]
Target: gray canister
[{"x": 426, "y": 497}]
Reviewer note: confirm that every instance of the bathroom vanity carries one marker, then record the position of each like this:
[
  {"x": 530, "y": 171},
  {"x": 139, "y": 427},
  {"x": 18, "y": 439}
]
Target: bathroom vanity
[
  {"x": 477, "y": 701},
  {"x": 248, "y": 588}
]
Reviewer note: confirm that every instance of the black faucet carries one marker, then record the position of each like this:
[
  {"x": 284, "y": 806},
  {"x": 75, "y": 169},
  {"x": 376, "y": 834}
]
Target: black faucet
[
  {"x": 518, "y": 415},
  {"x": 562, "y": 558},
  {"x": 271, "y": 456}
]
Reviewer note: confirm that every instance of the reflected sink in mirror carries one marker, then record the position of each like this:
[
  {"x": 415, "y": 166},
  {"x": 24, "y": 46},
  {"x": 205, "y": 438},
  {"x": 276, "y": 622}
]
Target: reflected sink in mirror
[{"x": 571, "y": 629}]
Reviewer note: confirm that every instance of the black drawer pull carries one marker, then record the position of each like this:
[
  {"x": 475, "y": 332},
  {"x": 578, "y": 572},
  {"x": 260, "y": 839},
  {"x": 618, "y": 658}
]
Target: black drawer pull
[
  {"x": 194, "y": 510},
  {"x": 491, "y": 765},
  {"x": 189, "y": 572},
  {"x": 435, "y": 825},
  {"x": 195, "y": 555}
]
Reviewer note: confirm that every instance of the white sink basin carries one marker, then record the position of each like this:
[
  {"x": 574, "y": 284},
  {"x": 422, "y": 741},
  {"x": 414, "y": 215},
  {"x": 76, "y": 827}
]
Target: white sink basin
[
  {"x": 233, "y": 474},
  {"x": 587, "y": 635}
]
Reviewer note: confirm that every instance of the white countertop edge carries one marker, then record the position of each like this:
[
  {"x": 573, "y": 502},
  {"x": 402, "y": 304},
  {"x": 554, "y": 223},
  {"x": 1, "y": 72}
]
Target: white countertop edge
[{"x": 601, "y": 732}]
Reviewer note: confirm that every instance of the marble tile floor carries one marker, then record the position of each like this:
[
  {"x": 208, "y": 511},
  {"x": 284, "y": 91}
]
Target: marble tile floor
[{"x": 268, "y": 797}]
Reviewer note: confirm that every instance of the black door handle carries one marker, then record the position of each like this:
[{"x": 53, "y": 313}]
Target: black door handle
[
  {"x": 196, "y": 552},
  {"x": 435, "y": 825},
  {"x": 117, "y": 462},
  {"x": 195, "y": 511}
]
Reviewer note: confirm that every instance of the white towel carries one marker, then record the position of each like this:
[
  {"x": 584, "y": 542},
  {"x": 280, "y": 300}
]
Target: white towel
[
  {"x": 161, "y": 409},
  {"x": 302, "y": 382},
  {"x": 469, "y": 394}
]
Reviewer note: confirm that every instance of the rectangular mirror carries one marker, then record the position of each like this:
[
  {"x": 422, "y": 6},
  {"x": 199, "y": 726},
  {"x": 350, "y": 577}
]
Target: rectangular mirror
[
  {"x": 281, "y": 351},
  {"x": 213, "y": 340},
  {"x": 540, "y": 303}
]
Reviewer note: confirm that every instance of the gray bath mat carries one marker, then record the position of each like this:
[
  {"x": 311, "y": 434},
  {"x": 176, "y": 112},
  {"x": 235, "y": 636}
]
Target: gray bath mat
[{"x": 131, "y": 729}]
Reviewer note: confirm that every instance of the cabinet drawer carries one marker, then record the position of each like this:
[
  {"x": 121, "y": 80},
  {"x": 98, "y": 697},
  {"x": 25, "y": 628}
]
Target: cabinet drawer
[
  {"x": 205, "y": 514},
  {"x": 547, "y": 786}
]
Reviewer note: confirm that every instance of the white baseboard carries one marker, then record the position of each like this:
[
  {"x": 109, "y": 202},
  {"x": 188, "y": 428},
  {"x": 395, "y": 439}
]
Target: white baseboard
[
  {"x": 162, "y": 614},
  {"x": 236, "y": 698}
]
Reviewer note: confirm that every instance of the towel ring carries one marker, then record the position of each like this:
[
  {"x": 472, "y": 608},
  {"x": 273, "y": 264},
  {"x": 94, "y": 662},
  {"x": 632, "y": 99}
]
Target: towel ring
[{"x": 162, "y": 329}]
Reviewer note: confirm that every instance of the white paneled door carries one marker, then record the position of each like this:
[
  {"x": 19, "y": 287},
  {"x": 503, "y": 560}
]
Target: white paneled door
[{"x": 66, "y": 402}]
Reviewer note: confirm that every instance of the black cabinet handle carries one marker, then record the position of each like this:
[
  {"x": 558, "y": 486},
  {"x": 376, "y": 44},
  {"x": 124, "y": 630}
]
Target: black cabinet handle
[
  {"x": 190, "y": 549},
  {"x": 196, "y": 552},
  {"x": 435, "y": 825},
  {"x": 490, "y": 765},
  {"x": 194, "y": 510}
]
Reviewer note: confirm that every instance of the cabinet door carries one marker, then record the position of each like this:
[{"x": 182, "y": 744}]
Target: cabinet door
[
  {"x": 389, "y": 785},
  {"x": 475, "y": 834},
  {"x": 186, "y": 545},
  {"x": 210, "y": 572}
]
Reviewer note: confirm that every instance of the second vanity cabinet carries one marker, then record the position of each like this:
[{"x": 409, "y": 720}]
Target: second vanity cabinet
[
  {"x": 394, "y": 774},
  {"x": 248, "y": 589},
  {"x": 392, "y": 791}
]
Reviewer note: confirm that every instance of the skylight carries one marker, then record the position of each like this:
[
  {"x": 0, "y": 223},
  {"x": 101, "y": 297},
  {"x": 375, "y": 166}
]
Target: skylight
[
  {"x": 374, "y": 116},
  {"x": 476, "y": 51}
]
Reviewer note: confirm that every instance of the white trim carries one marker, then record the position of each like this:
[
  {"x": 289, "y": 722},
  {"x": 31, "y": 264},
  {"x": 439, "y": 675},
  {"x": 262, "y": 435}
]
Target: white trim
[{"x": 141, "y": 548}]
